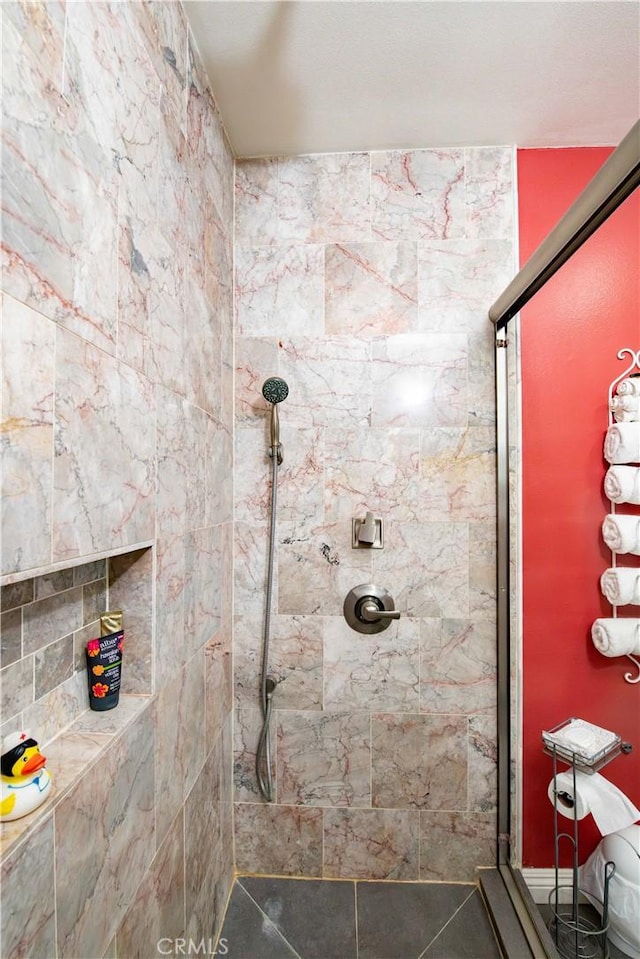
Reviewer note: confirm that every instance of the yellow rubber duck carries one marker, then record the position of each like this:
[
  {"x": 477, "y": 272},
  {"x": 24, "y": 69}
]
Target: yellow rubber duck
[{"x": 25, "y": 781}]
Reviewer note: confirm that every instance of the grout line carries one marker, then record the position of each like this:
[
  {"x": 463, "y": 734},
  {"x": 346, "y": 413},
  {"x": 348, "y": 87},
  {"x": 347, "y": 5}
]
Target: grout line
[
  {"x": 55, "y": 884},
  {"x": 449, "y": 920}
]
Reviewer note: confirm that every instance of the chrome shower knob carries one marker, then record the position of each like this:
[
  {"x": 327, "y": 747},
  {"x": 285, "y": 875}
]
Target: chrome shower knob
[{"x": 369, "y": 608}]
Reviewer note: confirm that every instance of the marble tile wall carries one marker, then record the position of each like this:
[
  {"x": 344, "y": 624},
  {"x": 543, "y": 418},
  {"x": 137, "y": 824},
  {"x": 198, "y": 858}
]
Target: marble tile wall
[
  {"x": 117, "y": 400},
  {"x": 45, "y": 623},
  {"x": 364, "y": 281}
]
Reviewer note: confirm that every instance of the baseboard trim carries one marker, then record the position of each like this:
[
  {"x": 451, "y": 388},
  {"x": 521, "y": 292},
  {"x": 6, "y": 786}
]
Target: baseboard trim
[{"x": 540, "y": 883}]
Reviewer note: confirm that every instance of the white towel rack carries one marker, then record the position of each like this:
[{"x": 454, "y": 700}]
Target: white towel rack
[{"x": 633, "y": 367}]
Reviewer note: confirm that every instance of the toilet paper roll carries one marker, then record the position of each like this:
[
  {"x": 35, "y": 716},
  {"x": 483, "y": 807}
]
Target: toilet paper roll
[
  {"x": 568, "y": 804},
  {"x": 594, "y": 794}
]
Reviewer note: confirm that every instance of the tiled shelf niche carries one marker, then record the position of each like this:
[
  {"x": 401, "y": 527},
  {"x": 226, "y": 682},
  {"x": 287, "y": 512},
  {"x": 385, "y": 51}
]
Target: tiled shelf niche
[{"x": 45, "y": 622}]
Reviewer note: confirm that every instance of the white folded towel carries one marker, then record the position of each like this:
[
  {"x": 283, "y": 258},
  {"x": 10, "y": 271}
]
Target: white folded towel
[
  {"x": 621, "y": 533},
  {"x": 621, "y": 586},
  {"x": 625, "y": 409},
  {"x": 630, "y": 386},
  {"x": 622, "y": 484},
  {"x": 628, "y": 403},
  {"x": 622, "y": 443},
  {"x": 616, "y": 637}
]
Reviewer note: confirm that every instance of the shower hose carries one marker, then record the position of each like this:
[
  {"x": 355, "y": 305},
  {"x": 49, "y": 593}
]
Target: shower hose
[{"x": 267, "y": 683}]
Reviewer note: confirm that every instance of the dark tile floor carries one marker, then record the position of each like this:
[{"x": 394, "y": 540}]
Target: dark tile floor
[
  {"x": 337, "y": 919},
  {"x": 589, "y": 946}
]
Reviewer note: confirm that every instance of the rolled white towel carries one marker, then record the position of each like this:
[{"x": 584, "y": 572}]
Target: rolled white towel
[
  {"x": 616, "y": 637},
  {"x": 621, "y": 586},
  {"x": 622, "y": 443},
  {"x": 628, "y": 403},
  {"x": 621, "y": 533},
  {"x": 629, "y": 387},
  {"x": 622, "y": 484},
  {"x": 625, "y": 409}
]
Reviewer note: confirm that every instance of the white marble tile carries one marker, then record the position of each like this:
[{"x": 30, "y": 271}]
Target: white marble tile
[
  {"x": 419, "y": 380},
  {"x": 256, "y": 195},
  {"x": 489, "y": 191},
  {"x": 371, "y": 844},
  {"x": 280, "y": 290},
  {"x": 101, "y": 50},
  {"x": 27, "y": 412},
  {"x": 51, "y": 618},
  {"x": 59, "y": 191},
  {"x": 462, "y": 276},
  {"x": 316, "y": 569},
  {"x": 371, "y": 288},
  {"x": 256, "y": 359},
  {"x": 299, "y": 478},
  {"x": 278, "y": 840},
  {"x": 157, "y": 909},
  {"x": 163, "y": 27},
  {"x": 179, "y": 740},
  {"x": 28, "y": 897},
  {"x": 218, "y": 680},
  {"x": 329, "y": 381},
  {"x": 207, "y": 140},
  {"x": 172, "y": 180},
  {"x": 295, "y": 661},
  {"x": 482, "y": 570},
  {"x": 425, "y": 568},
  {"x": 457, "y": 473},
  {"x": 166, "y": 304},
  {"x": 454, "y": 844},
  {"x": 324, "y": 198},
  {"x": 17, "y": 687},
  {"x": 378, "y": 671},
  {"x": 47, "y": 717},
  {"x": 117, "y": 837},
  {"x": 173, "y": 467},
  {"x": 202, "y": 351},
  {"x": 250, "y": 568},
  {"x": 419, "y": 762},
  {"x": 323, "y": 758},
  {"x": 247, "y": 726},
  {"x": 105, "y": 437},
  {"x": 372, "y": 469},
  {"x": 418, "y": 194},
  {"x": 203, "y": 586},
  {"x": 131, "y": 589},
  {"x": 457, "y": 666},
  {"x": 170, "y": 611},
  {"x": 483, "y": 763}
]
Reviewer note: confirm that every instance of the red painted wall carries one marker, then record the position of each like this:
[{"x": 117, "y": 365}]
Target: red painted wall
[{"x": 571, "y": 333}]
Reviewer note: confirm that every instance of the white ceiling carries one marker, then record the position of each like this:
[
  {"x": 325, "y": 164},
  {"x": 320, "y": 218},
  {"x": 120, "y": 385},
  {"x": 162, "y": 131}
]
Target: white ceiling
[{"x": 314, "y": 76}]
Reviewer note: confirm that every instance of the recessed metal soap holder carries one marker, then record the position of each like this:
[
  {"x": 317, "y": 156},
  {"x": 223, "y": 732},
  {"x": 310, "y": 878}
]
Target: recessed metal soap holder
[
  {"x": 367, "y": 533},
  {"x": 369, "y": 608}
]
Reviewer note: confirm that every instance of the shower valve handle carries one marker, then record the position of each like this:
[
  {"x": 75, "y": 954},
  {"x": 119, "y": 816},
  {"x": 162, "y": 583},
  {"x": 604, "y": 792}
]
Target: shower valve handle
[
  {"x": 370, "y": 612},
  {"x": 369, "y": 608}
]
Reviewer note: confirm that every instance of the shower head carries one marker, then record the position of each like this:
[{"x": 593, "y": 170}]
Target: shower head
[{"x": 275, "y": 390}]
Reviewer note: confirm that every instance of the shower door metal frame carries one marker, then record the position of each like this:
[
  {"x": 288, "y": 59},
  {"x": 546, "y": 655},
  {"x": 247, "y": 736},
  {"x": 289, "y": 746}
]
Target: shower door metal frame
[{"x": 616, "y": 180}]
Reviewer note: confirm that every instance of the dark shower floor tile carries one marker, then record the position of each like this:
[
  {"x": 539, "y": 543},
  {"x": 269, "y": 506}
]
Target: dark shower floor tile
[
  {"x": 591, "y": 915},
  {"x": 317, "y": 917},
  {"x": 399, "y": 920},
  {"x": 270, "y": 918},
  {"x": 467, "y": 935},
  {"x": 248, "y": 934}
]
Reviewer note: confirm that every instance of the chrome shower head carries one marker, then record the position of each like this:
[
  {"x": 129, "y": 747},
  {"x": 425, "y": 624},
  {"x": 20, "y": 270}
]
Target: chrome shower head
[{"x": 275, "y": 390}]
